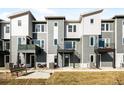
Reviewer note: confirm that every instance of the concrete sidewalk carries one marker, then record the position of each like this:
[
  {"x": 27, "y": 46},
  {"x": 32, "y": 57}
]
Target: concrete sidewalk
[{"x": 36, "y": 75}]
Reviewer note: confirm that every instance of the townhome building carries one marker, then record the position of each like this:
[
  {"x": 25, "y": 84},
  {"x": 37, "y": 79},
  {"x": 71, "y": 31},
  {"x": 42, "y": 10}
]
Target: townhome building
[{"x": 89, "y": 42}]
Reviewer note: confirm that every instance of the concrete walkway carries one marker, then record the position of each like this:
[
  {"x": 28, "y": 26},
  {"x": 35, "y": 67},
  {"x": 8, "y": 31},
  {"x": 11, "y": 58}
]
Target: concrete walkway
[{"x": 36, "y": 75}]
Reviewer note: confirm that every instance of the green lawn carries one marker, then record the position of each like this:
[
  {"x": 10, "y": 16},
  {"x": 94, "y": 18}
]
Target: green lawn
[{"x": 72, "y": 78}]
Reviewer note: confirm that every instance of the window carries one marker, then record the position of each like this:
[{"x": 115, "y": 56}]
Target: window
[
  {"x": 102, "y": 27},
  {"x": 42, "y": 43},
  {"x": 74, "y": 28},
  {"x": 55, "y": 24},
  {"x": 91, "y": 58},
  {"x": 42, "y": 28},
  {"x": 37, "y": 42},
  {"x": 7, "y": 58},
  {"x": 55, "y": 59},
  {"x": 107, "y": 27},
  {"x": 7, "y": 45},
  {"x": 69, "y": 28},
  {"x": 55, "y": 41},
  {"x": 37, "y": 28},
  {"x": 92, "y": 41},
  {"x": 69, "y": 44},
  {"x": 91, "y": 21},
  {"x": 7, "y": 29},
  {"x": 73, "y": 45},
  {"x": 19, "y": 23},
  {"x": 19, "y": 41}
]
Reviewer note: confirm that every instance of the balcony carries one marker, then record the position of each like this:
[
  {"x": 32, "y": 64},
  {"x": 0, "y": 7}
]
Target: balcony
[
  {"x": 65, "y": 50},
  {"x": 28, "y": 48},
  {"x": 104, "y": 47}
]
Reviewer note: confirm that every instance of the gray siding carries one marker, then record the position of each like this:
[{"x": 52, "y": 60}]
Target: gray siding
[
  {"x": 13, "y": 50},
  {"x": 111, "y": 34},
  {"x": 120, "y": 47},
  {"x": 87, "y": 50},
  {"x": 52, "y": 49}
]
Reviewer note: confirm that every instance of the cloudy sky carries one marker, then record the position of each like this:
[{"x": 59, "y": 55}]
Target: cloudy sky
[{"x": 70, "y": 13}]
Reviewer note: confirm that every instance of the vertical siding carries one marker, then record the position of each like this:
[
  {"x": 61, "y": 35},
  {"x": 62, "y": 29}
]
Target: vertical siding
[
  {"x": 120, "y": 47},
  {"x": 52, "y": 49}
]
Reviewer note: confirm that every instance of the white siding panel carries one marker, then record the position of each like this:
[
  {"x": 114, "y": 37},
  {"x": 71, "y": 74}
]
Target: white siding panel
[
  {"x": 22, "y": 30},
  {"x": 92, "y": 29}
]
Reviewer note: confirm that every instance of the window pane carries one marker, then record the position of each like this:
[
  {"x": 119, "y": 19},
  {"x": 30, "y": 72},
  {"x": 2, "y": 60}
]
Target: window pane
[
  {"x": 37, "y": 42},
  {"x": 7, "y": 29},
  {"x": 107, "y": 27},
  {"x": 37, "y": 29},
  {"x": 7, "y": 59},
  {"x": 91, "y": 21},
  {"x": 70, "y": 28},
  {"x": 91, "y": 58},
  {"x": 19, "y": 23},
  {"x": 67, "y": 45},
  {"x": 42, "y": 43},
  {"x": 91, "y": 41},
  {"x": 42, "y": 28},
  {"x": 55, "y": 24},
  {"x": 74, "y": 45},
  {"x": 55, "y": 41},
  {"x": 7, "y": 46},
  {"x": 74, "y": 29},
  {"x": 102, "y": 27},
  {"x": 19, "y": 41}
]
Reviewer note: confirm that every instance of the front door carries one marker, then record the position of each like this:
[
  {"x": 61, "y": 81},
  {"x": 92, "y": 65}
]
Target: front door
[
  {"x": 32, "y": 60},
  {"x": 67, "y": 60}
]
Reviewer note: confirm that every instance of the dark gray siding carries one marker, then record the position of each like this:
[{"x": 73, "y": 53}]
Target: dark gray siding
[
  {"x": 87, "y": 50},
  {"x": 120, "y": 47},
  {"x": 52, "y": 49}
]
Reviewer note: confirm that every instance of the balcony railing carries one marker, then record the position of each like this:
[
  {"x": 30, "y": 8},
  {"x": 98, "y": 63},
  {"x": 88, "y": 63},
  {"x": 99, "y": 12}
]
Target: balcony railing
[
  {"x": 27, "y": 47},
  {"x": 105, "y": 45},
  {"x": 104, "y": 48}
]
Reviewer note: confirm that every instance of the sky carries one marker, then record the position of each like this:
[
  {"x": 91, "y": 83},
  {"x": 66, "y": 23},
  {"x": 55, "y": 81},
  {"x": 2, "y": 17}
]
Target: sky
[{"x": 69, "y": 13}]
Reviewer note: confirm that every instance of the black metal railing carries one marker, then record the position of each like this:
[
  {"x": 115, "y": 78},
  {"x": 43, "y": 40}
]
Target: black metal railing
[{"x": 105, "y": 45}]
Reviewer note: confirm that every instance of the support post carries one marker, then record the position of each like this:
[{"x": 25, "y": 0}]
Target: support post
[
  {"x": 63, "y": 59},
  {"x": 114, "y": 59}
]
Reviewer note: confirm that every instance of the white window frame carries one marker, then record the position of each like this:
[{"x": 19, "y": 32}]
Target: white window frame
[
  {"x": 91, "y": 20},
  {"x": 19, "y": 23},
  {"x": 8, "y": 29},
  {"x": 5, "y": 44},
  {"x": 72, "y": 28},
  {"x": 40, "y": 40},
  {"x": 109, "y": 29},
  {"x": 54, "y": 43},
  {"x": 40, "y": 28},
  {"x": 94, "y": 41}
]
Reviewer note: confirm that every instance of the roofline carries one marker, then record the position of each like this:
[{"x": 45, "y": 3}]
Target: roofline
[
  {"x": 72, "y": 21},
  {"x": 5, "y": 22},
  {"x": 107, "y": 20},
  {"x": 20, "y": 14},
  {"x": 55, "y": 17},
  {"x": 35, "y": 21},
  {"x": 118, "y": 16},
  {"x": 90, "y": 13}
]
